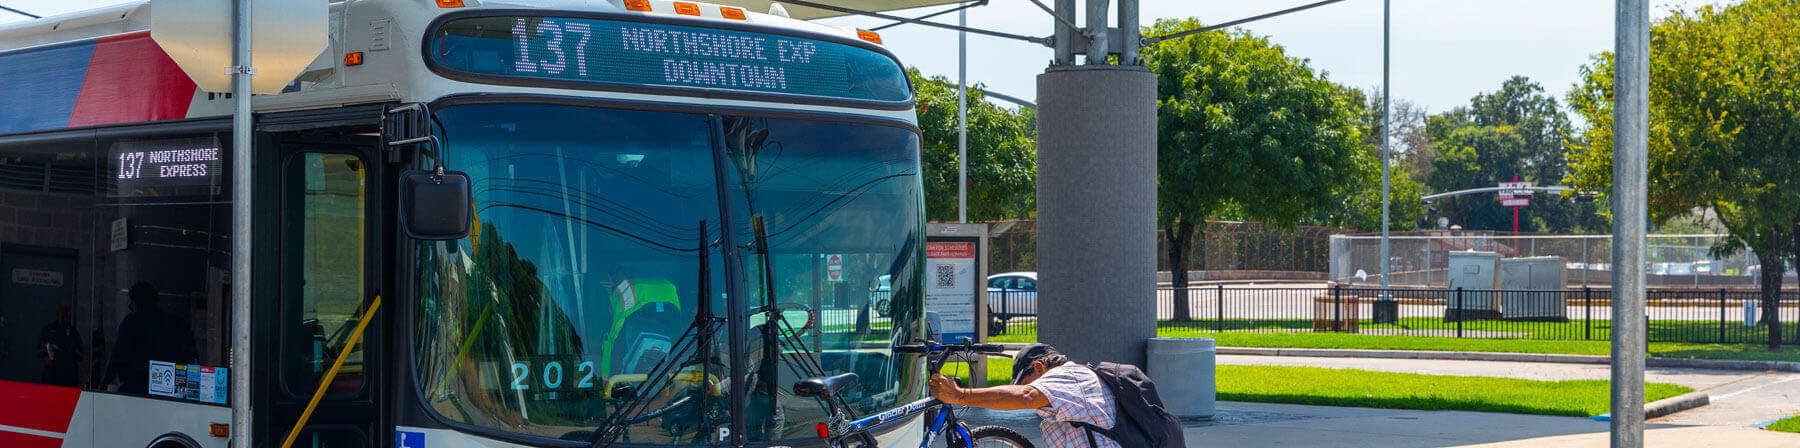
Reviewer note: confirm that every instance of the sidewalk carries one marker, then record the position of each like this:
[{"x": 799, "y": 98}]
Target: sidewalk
[
  {"x": 1738, "y": 398},
  {"x": 1281, "y": 425}
]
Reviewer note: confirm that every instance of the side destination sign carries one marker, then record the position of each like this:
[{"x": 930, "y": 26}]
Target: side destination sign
[{"x": 521, "y": 49}]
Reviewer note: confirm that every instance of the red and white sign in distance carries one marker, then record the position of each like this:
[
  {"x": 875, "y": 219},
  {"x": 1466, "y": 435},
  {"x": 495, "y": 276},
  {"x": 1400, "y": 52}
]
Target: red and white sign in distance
[
  {"x": 1511, "y": 190},
  {"x": 834, "y": 267},
  {"x": 1517, "y": 202},
  {"x": 949, "y": 250}
]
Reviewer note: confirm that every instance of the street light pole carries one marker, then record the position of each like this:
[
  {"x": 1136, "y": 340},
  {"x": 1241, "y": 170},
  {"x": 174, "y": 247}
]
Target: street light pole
[
  {"x": 1631, "y": 124},
  {"x": 962, "y": 117},
  {"x": 1387, "y": 95}
]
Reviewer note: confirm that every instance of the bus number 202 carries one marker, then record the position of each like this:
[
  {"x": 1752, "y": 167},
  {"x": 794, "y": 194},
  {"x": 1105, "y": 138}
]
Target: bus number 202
[{"x": 552, "y": 376}]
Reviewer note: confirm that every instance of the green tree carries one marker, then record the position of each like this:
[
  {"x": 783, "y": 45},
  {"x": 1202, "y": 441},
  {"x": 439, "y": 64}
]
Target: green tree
[
  {"x": 1361, "y": 207},
  {"x": 1002, "y": 154},
  {"x": 1724, "y": 129},
  {"x": 1517, "y": 132},
  {"x": 1244, "y": 128}
]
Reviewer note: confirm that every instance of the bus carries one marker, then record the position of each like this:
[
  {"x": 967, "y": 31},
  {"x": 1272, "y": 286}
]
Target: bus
[{"x": 651, "y": 190}]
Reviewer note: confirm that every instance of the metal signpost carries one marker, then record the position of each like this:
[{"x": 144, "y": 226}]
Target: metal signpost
[
  {"x": 1631, "y": 124},
  {"x": 1513, "y": 195},
  {"x": 241, "y": 72}
]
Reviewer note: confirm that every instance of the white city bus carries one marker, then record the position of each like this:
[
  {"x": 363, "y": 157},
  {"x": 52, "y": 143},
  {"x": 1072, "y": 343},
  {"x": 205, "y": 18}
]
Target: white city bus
[{"x": 654, "y": 186}]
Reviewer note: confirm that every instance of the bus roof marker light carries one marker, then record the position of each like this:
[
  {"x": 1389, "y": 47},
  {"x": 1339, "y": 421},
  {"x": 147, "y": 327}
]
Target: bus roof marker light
[
  {"x": 687, "y": 9},
  {"x": 637, "y": 5},
  {"x": 869, "y": 36},
  {"x": 353, "y": 59},
  {"x": 732, "y": 13},
  {"x": 450, "y": 3}
]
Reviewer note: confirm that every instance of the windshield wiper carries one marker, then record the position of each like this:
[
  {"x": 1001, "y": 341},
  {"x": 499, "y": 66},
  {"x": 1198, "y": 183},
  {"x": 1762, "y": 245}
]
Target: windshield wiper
[
  {"x": 701, "y": 331},
  {"x": 774, "y": 320}
]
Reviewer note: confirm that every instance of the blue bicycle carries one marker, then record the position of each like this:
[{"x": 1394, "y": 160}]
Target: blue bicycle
[{"x": 941, "y": 420}]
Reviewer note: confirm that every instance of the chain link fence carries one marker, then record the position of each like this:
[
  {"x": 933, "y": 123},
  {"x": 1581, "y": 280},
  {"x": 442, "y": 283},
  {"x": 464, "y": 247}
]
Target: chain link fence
[
  {"x": 1722, "y": 315},
  {"x": 1421, "y": 259},
  {"x": 1225, "y": 245}
]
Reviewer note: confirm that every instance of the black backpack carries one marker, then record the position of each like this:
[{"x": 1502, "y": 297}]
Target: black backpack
[{"x": 1139, "y": 419}]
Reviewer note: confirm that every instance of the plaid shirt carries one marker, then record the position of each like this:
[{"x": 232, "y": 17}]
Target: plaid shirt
[{"x": 1075, "y": 395}]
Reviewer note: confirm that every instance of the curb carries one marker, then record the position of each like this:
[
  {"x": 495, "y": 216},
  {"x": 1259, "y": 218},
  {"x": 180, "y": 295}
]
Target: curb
[
  {"x": 1719, "y": 364},
  {"x": 1666, "y": 406},
  {"x": 1675, "y": 404}
]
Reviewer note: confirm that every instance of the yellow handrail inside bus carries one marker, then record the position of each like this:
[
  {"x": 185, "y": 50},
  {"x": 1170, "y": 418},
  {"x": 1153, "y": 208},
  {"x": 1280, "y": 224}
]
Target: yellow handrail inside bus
[{"x": 325, "y": 382}]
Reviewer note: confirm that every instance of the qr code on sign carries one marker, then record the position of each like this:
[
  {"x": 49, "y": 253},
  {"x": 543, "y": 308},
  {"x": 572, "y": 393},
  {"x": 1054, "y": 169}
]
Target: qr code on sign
[{"x": 946, "y": 275}]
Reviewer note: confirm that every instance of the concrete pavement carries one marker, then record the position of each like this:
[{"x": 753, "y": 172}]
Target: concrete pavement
[
  {"x": 1739, "y": 398},
  {"x": 1282, "y": 425}
]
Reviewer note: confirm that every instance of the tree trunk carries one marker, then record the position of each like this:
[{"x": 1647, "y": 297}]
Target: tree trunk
[
  {"x": 1772, "y": 272},
  {"x": 1178, "y": 237}
]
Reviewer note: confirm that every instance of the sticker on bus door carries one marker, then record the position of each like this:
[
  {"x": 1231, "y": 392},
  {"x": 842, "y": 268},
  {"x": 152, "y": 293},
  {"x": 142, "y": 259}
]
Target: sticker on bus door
[
  {"x": 162, "y": 378},
  {"x": 409, "y": 439}
]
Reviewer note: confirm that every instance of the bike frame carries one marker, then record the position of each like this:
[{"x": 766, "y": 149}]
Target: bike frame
[
  {"x": 946, "y": 419},
  {"x": 946, "y": 415}
]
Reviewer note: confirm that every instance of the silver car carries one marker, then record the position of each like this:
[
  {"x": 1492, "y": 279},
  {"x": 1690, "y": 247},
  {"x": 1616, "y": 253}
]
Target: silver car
[{"x": 1012, "y": 294}]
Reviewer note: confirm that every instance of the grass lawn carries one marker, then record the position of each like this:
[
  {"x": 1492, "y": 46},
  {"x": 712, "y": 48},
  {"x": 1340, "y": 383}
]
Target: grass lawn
[
  {"x": 1362, "y": 388},
  {"x": 1303, "y": 339},
  {"x": 999, "y": 371},
  {"x": 1790, "y": 424}
]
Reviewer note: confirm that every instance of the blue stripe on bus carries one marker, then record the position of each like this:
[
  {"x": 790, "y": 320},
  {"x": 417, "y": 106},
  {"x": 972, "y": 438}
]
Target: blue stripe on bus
[{"x": 38, "y": 87}]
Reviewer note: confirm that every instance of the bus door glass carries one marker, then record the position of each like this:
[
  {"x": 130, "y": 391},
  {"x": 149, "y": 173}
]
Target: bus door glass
[{"x": 325, "y": 197}]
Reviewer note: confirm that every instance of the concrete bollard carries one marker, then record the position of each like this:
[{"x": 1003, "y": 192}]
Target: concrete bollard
[{"x": 1183, "y": 369}]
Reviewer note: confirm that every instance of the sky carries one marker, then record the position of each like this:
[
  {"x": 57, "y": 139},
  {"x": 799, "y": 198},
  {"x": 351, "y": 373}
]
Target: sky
[{"x": 1443, "y": 51}]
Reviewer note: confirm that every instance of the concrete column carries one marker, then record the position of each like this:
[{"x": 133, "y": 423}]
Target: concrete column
[{"x": 1097, "y": 211}]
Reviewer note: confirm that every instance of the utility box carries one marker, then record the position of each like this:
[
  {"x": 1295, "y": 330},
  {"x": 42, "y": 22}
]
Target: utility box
[
  {"x": 1532, "y": 289},
  {"x": 1474, "y": 273}
]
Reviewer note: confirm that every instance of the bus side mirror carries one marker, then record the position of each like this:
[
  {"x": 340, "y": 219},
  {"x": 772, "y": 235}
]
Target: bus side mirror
[
  {"x": 934, "y": 325},
  {"x": 435, "y": 206}
]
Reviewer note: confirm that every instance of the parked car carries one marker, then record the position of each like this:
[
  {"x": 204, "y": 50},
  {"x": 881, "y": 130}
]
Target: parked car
[{"x": 1012, "y": 294}]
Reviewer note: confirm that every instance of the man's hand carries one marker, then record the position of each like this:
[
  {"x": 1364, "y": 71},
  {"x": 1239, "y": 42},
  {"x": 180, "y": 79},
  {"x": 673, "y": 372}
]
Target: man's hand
[{"x": 946, "y": 389}]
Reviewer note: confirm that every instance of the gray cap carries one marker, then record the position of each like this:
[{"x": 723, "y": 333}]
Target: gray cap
[{"x": 1031, "y": 353}]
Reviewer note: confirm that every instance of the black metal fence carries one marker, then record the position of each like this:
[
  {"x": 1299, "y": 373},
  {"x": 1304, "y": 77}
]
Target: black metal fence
[{"x": 1732, "y": 316}]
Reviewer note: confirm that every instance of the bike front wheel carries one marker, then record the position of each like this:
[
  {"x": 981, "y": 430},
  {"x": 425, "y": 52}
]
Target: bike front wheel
[{"x": 998, "y": 437}]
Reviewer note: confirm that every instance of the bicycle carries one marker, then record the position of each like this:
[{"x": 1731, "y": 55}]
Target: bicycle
[{"x": 842, "y": 432}]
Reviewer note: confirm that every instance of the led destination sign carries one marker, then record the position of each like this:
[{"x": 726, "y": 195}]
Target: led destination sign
[
  {"x": 632, "y": 53},
  {"x": 165, "y": 167}
]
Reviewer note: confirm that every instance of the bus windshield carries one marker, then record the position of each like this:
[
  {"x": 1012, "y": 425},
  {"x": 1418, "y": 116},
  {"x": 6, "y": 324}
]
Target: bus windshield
[{"x": 584, "y": 274}]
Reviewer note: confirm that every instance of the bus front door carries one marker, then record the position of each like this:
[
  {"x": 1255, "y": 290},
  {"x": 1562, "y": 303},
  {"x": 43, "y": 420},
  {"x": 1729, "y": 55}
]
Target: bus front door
[{"x": 328, "y": 202}]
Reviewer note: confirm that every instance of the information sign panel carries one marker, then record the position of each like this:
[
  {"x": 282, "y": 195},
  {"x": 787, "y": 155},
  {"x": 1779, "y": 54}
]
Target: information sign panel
[{"x": 951, "y": 286}]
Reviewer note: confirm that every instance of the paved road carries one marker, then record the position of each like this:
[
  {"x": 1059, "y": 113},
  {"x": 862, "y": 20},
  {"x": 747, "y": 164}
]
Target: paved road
[
  {"x": 1739, "y": 398},
  {"x": 1280, "y": 425},
  {"x": 1295, "y": 301}
]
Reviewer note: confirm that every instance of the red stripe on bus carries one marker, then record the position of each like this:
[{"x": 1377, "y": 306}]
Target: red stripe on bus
[
  {"x": 129, "y": 80},
  {"x": 36, "y": 406},
  {"x": 16, "y": 440}
]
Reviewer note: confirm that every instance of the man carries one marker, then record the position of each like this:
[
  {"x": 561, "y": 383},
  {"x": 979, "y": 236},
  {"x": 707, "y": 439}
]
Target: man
[
  {"x": 59, "y": 346},
  {"x": 147, "y": 334},
  {"x": 1062, "y": 392}
]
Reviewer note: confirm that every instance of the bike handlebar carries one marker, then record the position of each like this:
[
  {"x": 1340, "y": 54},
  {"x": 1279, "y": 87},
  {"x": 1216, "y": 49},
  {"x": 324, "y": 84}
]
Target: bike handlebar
[{"x": 929, "y": 347}]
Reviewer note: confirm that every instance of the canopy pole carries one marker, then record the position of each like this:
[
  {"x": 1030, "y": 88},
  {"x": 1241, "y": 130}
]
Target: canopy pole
[{"x": 1631, "y": 124}]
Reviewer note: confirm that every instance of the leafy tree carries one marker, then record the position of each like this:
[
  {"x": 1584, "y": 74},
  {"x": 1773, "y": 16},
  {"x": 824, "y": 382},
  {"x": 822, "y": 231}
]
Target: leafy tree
[
  {"x": 1724, "y": 129},
  {"x": 1361, "y": 208},
  {"x": 1002, "y": 154},
  {"x": 1410, "y": 144},
  {"x": 1516, "y": 132},
  {"x": 1246, "y": 129}
]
